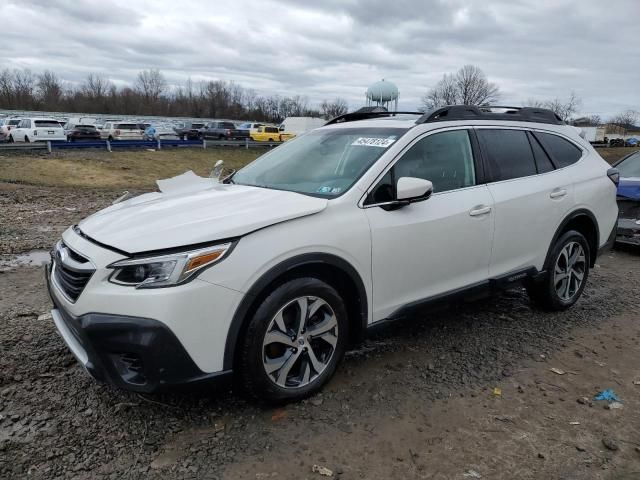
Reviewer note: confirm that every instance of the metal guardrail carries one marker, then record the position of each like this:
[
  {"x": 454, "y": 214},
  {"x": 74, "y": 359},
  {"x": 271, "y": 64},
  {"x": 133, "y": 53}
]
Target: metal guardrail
[{"x": 133, "y": 144}]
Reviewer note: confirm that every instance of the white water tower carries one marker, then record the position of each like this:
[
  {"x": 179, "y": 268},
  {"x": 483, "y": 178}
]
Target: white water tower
[{"x": 383, "y": 94}]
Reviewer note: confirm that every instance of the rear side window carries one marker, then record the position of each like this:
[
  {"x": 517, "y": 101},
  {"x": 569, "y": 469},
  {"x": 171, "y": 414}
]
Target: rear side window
[
  {"x": 227, "y": 125},
  {"x": 563, "y": 152},
  {"x": 543, "y": 162},
  {"x": 271, "y": 129},
  {"x": 127, "y": 126},
  {"x": 508, "y": 153}
]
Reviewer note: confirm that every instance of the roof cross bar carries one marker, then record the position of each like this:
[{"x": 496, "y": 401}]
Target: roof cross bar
[
  {"x": 367, "y": 113},
  {"x": 491, "y": 112}
]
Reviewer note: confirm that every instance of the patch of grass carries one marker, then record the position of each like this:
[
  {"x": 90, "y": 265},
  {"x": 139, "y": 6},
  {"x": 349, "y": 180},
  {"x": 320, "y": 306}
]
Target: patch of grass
[
  {"x": 612, "y": 155},
  {"x": 119, "y": 169}
]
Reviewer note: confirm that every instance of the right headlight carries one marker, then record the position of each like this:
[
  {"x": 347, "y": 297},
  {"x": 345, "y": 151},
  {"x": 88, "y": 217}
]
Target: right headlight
[{"x": 165, "y": 270}]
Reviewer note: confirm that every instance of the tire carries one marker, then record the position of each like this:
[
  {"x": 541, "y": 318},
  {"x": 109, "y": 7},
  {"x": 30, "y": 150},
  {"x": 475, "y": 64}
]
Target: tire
[
  {"x": 11, "y": 140},
  {"x": 221, "y": 137},
  {"x": 564, "y": 281},
  {"x": 110, "y": 138},
  {"x": 26, "y": 139},
  {"x": 280, "y": 367}
]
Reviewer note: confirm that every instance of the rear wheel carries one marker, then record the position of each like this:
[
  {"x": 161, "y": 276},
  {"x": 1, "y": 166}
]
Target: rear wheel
[
  {"x": 11, "y": 140},
  {"x": 26, "y": 139},
  {"x": 294, "y": 341},
  {"x": 567, "y": 270}
]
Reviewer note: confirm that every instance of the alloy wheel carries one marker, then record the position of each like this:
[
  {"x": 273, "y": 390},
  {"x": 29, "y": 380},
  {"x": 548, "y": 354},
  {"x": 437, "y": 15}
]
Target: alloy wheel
[
  {"x": 300, "y": 342},
  {"x": 569, "y": 270}
]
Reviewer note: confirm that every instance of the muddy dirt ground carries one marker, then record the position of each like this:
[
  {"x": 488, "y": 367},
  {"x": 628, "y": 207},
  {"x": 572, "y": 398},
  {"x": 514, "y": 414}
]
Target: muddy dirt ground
[{"x": 467, "y": 392}]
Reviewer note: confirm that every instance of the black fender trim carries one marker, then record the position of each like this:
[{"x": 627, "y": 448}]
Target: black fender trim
[
  {"x": 572, "y": 216},
  {"x": 263, "y": 282}
]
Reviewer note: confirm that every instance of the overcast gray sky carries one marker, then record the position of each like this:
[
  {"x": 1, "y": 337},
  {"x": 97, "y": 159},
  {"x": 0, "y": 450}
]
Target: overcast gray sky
[{"x": 536, "y": 49}]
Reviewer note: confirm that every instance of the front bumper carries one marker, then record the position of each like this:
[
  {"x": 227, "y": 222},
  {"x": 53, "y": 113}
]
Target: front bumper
[
  {"x": 133, "y": 353},
  {"x": 628, "y": 231}
]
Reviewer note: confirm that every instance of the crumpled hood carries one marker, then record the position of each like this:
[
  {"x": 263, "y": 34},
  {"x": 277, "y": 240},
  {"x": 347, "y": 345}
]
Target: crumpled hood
[
  {"x": 155, "y": 221},
  {"x": 629, "y": 188}
]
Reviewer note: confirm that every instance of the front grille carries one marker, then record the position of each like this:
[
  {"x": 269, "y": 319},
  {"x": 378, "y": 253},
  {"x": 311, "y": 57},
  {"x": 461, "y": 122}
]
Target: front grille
[{"x": 71, "y": 271}]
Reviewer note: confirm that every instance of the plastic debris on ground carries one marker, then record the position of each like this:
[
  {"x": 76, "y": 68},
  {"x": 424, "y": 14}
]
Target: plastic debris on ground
[
  {"x": 609, "y": 395},
  {"x": 614, "y": 406},
  {"x": 557, "y": 371},
  {"x": 324, "y": 471},
  {"x": 497, "y": 392},
  {"x": 471, "y": 474}
]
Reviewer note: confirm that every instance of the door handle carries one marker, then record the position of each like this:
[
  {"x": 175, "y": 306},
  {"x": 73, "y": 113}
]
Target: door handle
[
  {"x": 479, "y": 210},
  {"x": 558, "y": 193}
]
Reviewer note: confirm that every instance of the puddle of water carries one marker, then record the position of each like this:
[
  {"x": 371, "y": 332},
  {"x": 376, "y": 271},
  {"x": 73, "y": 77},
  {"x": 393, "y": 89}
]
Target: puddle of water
[{"x": 34, "y": 258}]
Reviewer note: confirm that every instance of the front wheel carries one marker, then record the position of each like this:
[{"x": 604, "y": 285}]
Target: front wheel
[
  {"x": 294, "y": 341},
  {"x": 567, "y": 270}
]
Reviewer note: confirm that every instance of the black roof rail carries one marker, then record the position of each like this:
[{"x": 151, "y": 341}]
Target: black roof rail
[
  {"x": 491, "y": 112},
  {"x": 367, "y": 113}
]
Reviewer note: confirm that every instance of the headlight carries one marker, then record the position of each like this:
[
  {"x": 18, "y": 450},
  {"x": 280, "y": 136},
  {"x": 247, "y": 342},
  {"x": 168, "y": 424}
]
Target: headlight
[{"x": 165, "y": 270}]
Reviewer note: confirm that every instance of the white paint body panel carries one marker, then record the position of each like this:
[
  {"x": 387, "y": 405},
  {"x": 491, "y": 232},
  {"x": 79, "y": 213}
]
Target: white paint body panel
[{"x": 401, "y": 256}]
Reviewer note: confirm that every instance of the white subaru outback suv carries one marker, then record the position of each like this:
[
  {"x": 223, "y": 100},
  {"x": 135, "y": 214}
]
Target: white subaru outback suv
[{"x": 272, "y": 272}]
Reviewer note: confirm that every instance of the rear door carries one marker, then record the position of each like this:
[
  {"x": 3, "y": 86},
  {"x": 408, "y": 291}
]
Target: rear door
[
  {"x": 436, "y": 246},
  {"x": 530, "y": 197}
]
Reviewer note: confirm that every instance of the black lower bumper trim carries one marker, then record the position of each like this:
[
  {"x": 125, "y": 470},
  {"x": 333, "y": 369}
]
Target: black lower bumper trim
[
  {"x": 134, "y": 353},
  {"x": 611, "y": 240}
]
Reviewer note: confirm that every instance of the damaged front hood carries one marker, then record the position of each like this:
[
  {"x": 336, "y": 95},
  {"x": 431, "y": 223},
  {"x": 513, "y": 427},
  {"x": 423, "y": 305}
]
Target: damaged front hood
[
  {"x": 183, "y": 216},
  {"x": 629, "y": 188}
]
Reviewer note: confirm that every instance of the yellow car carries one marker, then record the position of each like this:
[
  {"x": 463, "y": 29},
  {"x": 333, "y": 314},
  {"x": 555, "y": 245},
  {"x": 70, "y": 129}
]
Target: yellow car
[
  {"x": 266, "y": 134},
  {"x": 284, "y": 136}
]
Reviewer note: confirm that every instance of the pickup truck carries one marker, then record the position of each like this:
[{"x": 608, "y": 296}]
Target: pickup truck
[
  {"x": 224, "y": 131},
  {"x": 189, "y": 130}
]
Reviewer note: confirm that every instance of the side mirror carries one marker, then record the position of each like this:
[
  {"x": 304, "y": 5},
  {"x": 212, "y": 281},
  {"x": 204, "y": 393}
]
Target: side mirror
[{"x": 411, "y": 189}]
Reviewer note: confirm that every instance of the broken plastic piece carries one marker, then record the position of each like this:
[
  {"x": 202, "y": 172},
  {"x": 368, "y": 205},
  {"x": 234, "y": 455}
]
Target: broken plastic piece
[{"x": 608, "y": 395}]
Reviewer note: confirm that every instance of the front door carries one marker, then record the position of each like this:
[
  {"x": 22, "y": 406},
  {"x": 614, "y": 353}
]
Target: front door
[{"x": 436, "y": 246}]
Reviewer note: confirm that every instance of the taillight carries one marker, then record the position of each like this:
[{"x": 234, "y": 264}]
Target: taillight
[
  {"x": 228, "y": 132},
  {"x": 614, "y": 175},
  {"x": 117, "y": 132}
]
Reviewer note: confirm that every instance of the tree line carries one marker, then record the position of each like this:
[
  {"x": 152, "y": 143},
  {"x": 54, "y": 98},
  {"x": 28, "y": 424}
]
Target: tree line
[{"x": 151, "y": 94}]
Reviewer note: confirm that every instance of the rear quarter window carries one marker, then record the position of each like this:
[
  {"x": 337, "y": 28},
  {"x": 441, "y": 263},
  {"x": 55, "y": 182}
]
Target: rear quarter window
[
  {"x": 507, "y": 153},
  {"x": 562, "y": 151}
]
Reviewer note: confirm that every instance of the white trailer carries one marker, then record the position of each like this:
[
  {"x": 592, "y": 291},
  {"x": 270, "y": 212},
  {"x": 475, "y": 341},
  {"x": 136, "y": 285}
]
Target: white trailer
[{"x": 299, "y": 125}]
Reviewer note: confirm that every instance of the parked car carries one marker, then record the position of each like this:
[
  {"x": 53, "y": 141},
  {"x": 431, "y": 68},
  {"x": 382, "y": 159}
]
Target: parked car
[
  {"x": 223, "y": 131},
  {"x": 629, "y": 199},
  {"x": 37, "y": 130},
  {"x": 83, "y": 132},
  {"x": 6, "y": 124},
  {"x": 252, "y": 127},
  {"x": 616, "y": 142},
  {"x": 190, "y": 130},
  {"x": 266, "y": 134},
  {"x": 271, "y": 274},
  {"x": 121, "y": 131}
]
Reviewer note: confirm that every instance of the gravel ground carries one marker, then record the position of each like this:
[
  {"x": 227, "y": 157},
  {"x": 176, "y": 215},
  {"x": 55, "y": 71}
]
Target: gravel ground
[{"x": 416, "y": 401}]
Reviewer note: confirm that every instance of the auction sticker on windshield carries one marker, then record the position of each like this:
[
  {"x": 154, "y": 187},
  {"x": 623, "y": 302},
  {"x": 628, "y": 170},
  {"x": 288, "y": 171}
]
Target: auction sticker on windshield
[{"x": 373, "y": 142}]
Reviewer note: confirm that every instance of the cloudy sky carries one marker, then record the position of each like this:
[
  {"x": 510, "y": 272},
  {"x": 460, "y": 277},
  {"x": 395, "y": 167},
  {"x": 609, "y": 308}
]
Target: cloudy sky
[{"x": 536, "y": 49}]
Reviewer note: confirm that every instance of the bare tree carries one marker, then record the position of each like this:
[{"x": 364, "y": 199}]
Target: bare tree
[
  {"x": 151, "y": 84},
  {"x": 49, "y": 90},
  {"x": 468, "y": 86},
  {"x": 95, "y": 86},
  {"x": 625, "y": 121},
  {"x": 565, "y": 109},
  {"x": 595, "y": 120},
  {"x": 334, "y": 108}
]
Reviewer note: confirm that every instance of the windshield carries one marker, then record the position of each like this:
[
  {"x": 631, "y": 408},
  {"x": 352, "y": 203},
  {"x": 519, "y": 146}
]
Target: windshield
[
  {"x": 630, "y": 167},
  {"x": 47, "y": 123},
  {"x": 325, "y": 162}
]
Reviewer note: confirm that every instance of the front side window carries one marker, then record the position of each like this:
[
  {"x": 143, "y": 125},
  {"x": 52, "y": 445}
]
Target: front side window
[
  {"x": 445, "y": 159},
  {"x": 324, "y": 162},
  {"x": 507, "y": 152},
  {"x": 563, "y": 152},
  {"x": 270, "y": 129}
]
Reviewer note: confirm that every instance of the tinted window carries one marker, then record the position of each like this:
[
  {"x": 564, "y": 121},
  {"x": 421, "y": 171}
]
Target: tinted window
[
  {"x": 543, "y": 162},
  {"x": 47, "y": 123},
  {"x": 562, "y": 151},
  {"x": 127, "y": 126},
  {"x": 507, "y": 153},
  {"x": 271, "y": 129},
  {"x": 227, "y": 125},
  {"x": 445, "y": 159}
]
